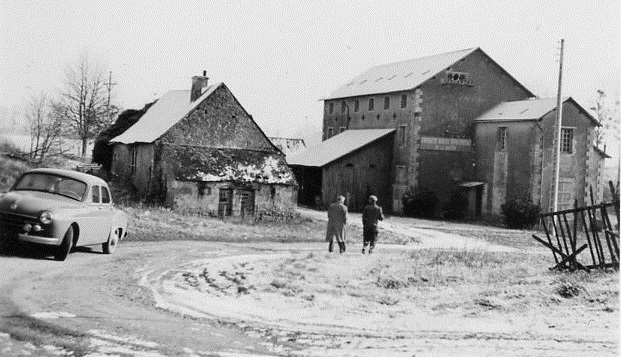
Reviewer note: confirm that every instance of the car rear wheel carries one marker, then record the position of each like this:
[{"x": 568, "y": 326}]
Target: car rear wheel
[
  {"x": 113, "y": 240},
  {"x": 62, "y": 251}
]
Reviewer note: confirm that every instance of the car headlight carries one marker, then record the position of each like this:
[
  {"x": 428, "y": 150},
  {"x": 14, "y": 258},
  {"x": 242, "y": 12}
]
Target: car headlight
[{"x": 46, "y": 217}]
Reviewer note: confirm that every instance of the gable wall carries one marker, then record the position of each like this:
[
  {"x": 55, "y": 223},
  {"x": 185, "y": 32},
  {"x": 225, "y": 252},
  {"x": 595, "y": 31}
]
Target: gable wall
[{"x": 219, "y": 121}]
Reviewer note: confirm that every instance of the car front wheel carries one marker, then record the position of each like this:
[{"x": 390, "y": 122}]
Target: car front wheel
[
  {"x": 113, "y": 239},
  {"x": 62, "y": 251}
]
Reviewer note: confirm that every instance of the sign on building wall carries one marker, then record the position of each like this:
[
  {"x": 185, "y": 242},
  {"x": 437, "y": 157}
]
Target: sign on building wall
[{"x": 444, "y": 144}]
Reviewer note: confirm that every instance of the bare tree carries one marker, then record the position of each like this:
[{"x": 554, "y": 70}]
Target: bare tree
[
  {"x": 84, "y": 105},
  {"x": 609, "y": 119},
  {"x": 44, "y": 125}
]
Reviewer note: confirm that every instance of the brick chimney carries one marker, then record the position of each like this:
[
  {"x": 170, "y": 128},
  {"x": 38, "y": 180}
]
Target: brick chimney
[{"x": 198, "y": 84}]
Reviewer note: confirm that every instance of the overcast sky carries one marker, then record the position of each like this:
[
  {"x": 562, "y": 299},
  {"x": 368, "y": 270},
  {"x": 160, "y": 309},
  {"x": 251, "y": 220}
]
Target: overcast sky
[{"x": 279, "y": 57}]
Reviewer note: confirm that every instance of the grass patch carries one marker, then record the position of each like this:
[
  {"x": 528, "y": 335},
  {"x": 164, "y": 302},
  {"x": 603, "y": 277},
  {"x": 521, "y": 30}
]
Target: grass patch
[
  {"x": 162, "y": 224},
  {"x": 469, "y": 282}
]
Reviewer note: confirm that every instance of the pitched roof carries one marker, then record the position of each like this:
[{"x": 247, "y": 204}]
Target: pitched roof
[
  {"x": 337, "y": 146},
  {"x": 398, "y": 76},
  {"x": 161, "y": 116},
  {"x": 531, "y": 109}
]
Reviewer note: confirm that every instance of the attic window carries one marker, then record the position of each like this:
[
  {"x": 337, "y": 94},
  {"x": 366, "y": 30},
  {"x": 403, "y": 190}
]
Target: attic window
[
  {"x": 524, "y": 111},
  {"x": 393, "y": 76},
  {"x": 409, "y": 74},
  {"x": 350, "y": 83},
  {"x": 363, "y": 81},
  {"x": 427, "y": 71},
  {"x": 379, "y": 79}
]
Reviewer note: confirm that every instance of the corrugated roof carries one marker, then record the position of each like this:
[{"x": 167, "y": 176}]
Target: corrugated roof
[
  {"x": 531, "y": 109},
  {"x": 166, "y": 112},
  {"x": 336, "y": 147},
  {"x": 393, "y": 77}
]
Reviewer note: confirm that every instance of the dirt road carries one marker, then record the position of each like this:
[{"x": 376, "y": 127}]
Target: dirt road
[{"x": 93, "y": 303}]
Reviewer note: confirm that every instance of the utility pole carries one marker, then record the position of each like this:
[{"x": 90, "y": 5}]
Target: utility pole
[
  {"x": 557, "y": 144},
  {"x": 109, "y": 85}
]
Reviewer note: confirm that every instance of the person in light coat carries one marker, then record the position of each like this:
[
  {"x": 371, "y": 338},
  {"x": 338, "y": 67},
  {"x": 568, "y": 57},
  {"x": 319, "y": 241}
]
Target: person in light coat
[{"x": 337, "y": 219}]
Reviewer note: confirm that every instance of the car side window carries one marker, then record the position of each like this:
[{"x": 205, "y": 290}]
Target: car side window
[
  {"x": 95, "y": 194},
  {"x": 105, "y": 195}
]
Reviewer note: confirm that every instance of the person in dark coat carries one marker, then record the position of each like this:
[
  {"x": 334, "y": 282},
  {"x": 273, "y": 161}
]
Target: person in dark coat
[
  {"x": 337, "y": 219},
  {"x": 371, "y": 214}
]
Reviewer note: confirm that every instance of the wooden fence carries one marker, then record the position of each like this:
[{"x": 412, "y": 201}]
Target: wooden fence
[{"x": 570, "y": 232}]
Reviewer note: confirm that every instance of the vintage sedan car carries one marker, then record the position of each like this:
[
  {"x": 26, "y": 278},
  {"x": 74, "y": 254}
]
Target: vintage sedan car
[{"x": 61, "y": 209}]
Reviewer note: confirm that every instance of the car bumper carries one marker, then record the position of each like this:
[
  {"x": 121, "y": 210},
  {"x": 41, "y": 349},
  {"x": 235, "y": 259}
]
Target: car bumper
[{"x": 38, "y": 239}]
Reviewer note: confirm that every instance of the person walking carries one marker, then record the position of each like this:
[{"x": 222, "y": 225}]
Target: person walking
[
  {"x": 371, "y": 214},
  {"x": 337, "y": 219}
]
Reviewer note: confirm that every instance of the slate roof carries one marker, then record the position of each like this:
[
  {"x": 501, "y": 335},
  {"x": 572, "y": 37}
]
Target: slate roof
[
  {"x": 337, "y": 146},
  {"x": 193, "y": 163},
  {"x": 161, "y": 116},
  {"x": 531, "y": 109}
]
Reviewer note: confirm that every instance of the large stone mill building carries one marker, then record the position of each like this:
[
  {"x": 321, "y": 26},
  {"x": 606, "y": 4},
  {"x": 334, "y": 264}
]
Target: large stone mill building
[{"x": 454, "y": 122}]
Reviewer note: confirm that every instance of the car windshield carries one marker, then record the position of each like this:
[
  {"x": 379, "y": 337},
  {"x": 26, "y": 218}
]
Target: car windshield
[{"x": 56, "y": 184}]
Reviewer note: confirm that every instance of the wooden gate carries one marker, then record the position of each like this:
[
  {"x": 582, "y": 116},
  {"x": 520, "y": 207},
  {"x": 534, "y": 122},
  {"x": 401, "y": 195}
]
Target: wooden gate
[{"x": 569, "y": 232}]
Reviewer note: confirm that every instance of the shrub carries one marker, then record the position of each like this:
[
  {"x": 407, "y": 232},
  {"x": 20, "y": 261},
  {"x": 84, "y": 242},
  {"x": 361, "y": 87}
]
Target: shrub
[
  {"x": 420, "y": 202},
  {"x": 520, "y": 213}
]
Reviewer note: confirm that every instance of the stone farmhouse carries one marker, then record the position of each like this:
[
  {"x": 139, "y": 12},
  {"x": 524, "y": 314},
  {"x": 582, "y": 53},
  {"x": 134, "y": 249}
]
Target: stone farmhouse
[
  {"x": 199, "y": 150},
  {"x": 434, "y": 123}
]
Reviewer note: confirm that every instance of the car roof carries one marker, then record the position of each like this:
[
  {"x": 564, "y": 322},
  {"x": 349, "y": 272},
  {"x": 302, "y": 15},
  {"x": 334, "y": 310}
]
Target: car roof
[{"x": 89, "y": 179}]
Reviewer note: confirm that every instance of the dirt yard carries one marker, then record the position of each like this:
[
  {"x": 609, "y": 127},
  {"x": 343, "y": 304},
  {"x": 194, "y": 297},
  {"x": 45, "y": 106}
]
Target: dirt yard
[{"x": 443, "y": 294}]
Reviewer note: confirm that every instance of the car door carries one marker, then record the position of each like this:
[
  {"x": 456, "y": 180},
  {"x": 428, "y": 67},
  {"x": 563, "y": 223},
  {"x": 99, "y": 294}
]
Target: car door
[
  {"x": 93, "y": 227},
  {"x": 107, "y": 212}
]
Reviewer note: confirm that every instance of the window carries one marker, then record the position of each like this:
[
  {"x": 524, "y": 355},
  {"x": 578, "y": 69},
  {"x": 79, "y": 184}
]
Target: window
[
  {"x": 331, "y": 108},
  {"x": 402, "y": 134},
  {"x": 330, "y": 132},
  {"x": 202, "y": 189},
  {"x": 356, "y": 105},
  {"x": 386, "y": 103},
  {"x": 343, "y": 106},
  {"x": 341, "y": 129},
  {"x": 502, "y": 139},
  {"x": 567, "y": 140},
  {"x": 404, "y": 101},
  {"x": 566, "y": 190},
  {"x": 105, "y": 195},
  {"x": 371, "y": 104},
  {"x": 95, "y": 194},
  {"x": 134, "y": 159}
]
